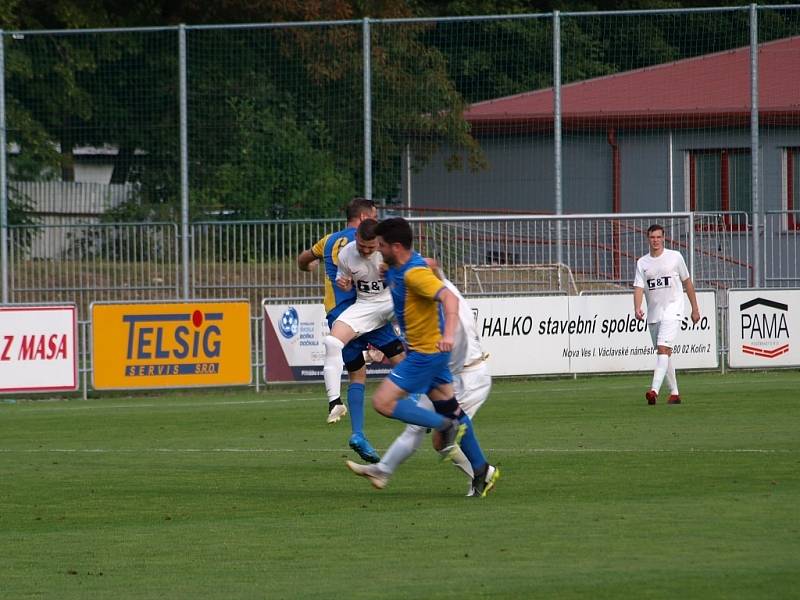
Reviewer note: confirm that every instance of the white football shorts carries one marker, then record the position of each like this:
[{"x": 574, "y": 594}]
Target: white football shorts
[
  {"x": 664, "y": 333},
  {"x": 472, "y": 386},
  {"x": 363, "y": 317}
]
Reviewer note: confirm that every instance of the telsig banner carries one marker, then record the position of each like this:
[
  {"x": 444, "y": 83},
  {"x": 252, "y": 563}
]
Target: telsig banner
[{"x": 170, "y": 344}]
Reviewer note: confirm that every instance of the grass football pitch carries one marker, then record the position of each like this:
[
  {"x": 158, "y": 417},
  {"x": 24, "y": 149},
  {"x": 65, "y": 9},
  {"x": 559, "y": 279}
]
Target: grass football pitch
[{"x": 233, "y": 494}]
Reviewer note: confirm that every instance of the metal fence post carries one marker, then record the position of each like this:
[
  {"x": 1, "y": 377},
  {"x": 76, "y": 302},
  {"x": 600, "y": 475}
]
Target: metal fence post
[
  {"x": 557, "y": 168},
  {"x": 754, "y": 139},
  {"x": 367, "y": 51},
  {"x": 3, "y": 177},
  {"x": 691, "y": 245},
  {"x": 184, "y": 154}
]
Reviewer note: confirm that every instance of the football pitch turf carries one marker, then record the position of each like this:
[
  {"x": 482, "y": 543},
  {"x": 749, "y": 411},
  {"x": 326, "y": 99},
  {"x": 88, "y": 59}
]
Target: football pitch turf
[{"x": 237, "y": 494}]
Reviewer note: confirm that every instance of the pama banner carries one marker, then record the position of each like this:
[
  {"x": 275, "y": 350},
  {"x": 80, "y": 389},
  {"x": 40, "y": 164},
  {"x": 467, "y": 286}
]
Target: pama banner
[
  {"x": 170, "y": 344},
  {"x": 293, "y": 347},
  {"x": 38, "y": 348},
  {"x": 764, "y": 328}
]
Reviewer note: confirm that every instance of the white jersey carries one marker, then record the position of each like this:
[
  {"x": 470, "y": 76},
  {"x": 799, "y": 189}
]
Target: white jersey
[
  {"x": 467, "y": 348},
  {"x": 662, "y": 279},
  {"x": 368, "y": 282}
]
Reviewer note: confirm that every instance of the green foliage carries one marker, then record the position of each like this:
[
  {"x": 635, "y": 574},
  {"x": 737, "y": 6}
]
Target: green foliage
[
  {"x": 270, "y": 169},
  {"x": 275, "y": 115}
]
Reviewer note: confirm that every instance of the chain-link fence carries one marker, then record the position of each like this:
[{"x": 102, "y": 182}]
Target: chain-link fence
[{"x": 197, "y": 161}]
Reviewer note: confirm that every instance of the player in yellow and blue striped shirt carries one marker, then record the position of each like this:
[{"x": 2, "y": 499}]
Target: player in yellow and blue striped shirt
[
  {"x": 427, "y": 313},
  {"x": 336, "y": 300}
]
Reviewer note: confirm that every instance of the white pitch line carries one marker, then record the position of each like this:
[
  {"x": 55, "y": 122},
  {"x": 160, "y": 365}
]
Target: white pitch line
[
  {"x": 316, "y": 450},
  {"x": 70, "y": 404},
  {"x": 29, "y": 405}
]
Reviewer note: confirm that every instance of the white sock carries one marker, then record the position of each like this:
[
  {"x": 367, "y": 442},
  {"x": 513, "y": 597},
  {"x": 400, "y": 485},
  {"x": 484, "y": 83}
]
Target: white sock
[
  {"x": 402, "y": 447},
  {"x": 461, "y": 461},
  {"x": 672, "y": 380},
  {"x": 333, "y": 367},
  {"x": 661, "y": 369}
]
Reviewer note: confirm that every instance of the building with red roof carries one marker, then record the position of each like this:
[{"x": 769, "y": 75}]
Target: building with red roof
[{"x": 670, "y": 137}]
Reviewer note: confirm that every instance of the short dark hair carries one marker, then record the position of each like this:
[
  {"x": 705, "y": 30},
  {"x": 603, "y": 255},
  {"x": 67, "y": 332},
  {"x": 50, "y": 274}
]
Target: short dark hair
[
  {"x": 655, "y": 227},
  {"x": 366, "y": 230},
  {"x": 396, "y": 230},
  {"x": 358, "y": 206}
]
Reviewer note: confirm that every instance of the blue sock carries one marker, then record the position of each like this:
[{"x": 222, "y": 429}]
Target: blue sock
[
  {"x": 355, "y": 402},
  {"x": 470, "y": 446},
  {"x": 406, "y": 410}
]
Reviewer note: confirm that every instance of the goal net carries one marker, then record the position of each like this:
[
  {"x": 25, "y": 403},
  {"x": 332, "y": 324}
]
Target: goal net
[{"x": 491, "y": 279}]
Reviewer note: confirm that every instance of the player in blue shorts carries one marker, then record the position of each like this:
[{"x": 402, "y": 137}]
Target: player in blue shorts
[
  {"x": 427, "y": 313},
  {"x": 337, "y": 300}
]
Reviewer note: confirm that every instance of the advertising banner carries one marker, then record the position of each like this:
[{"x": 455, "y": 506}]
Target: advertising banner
[
  {"x": 764, "y": 328},
  {"x": 170, "y": 344},
  {"x": 38, "y": 348},
  {"x": 532, "y": 335},
  {"x": 611, "y": 339},
  {"x": 293, "y": 347},
  {"x": 524, "y": 335},
  {"x": 585, "y": 334}
]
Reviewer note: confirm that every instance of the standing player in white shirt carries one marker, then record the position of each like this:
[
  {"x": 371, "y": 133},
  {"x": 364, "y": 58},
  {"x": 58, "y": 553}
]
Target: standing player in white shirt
[
  {"x": 661, "y": 277},
  {"x": 472, "y": 383},
  {"x": 364, "y": 323}
]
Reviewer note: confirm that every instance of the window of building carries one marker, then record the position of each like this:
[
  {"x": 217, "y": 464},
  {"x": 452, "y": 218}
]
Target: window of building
[
  {"x": 793, "y": 188},
  {"x": 720, "y": 181}
]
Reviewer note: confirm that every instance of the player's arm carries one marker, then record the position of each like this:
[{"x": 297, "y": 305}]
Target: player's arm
[
  {"x": 422, "y": 281},
  {"x": 688, "y": 286},
  {"x": 450, "y": 304},
  {"x": 638, "y": 296},
  {"x": 344, "y": 276},
  {"x": 638, "y": 292},
  {"x": 306, "y": 259}
]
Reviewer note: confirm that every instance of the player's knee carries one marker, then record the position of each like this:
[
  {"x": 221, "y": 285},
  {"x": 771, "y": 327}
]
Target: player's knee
[
  {"x": 664, "y": 350},
  {"x": 332, "y": 345},
  {"x": 447, "y": 408},
  {"x": 392, "y": 349},
  {"x": 355, "y": 364}
]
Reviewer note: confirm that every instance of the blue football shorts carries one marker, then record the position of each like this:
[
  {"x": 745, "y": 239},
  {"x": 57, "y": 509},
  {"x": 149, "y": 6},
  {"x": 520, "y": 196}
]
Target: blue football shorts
[
  {"x": 419, "y": 373},
  {"x": 378, "y": 338}
]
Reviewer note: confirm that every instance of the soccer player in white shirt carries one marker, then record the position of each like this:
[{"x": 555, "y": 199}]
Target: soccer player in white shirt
[
  {"x": 661, "y": 277},
  {"x": 364, "y": 323},
  {"x": 472, "y": 383}
]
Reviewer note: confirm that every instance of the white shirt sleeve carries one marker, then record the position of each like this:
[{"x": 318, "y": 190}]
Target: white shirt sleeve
[
  {"x": 683, "y": 272},
  {"x": 344, "y": 271},
  {"x": 638, "y": 279}
]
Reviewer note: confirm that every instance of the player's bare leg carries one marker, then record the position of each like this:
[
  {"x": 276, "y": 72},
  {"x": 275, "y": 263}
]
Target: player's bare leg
[{"x": 340, "y": 335}]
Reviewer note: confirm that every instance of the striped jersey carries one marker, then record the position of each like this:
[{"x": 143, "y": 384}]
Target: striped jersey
[
  {"x": 414, "y": 291},
  {"x": 327, "y": 249}
]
